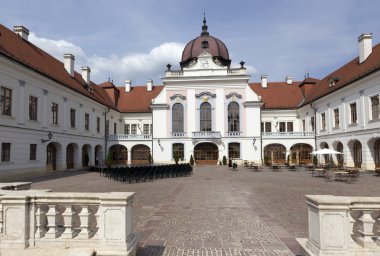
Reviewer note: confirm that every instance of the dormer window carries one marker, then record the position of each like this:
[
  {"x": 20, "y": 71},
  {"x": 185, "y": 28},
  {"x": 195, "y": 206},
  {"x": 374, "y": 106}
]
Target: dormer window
[
  {"x": 205, "y": 44},
  {"x": 333, "y": 81}
]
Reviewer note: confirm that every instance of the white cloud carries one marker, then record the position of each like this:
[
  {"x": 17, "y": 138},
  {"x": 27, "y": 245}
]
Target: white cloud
[{"x": 137, "y": 67}]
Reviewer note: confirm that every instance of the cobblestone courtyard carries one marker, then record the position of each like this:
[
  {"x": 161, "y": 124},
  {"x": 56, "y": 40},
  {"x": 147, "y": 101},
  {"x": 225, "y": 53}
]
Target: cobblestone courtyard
[{"x": 216, "y": 211}]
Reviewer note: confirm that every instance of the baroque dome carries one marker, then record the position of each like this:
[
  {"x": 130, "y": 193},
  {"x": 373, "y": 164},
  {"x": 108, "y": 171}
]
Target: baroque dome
[{"x": 205, "y": 42}]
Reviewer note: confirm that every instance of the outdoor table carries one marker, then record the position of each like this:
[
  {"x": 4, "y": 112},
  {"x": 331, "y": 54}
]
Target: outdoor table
[
  {"x": 341, "y": 175},
  {"x": 319, "y": 172}
]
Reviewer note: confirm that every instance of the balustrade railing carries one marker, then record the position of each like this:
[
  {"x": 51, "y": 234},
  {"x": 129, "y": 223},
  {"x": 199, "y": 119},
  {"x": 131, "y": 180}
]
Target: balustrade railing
[
  {"x": 102, "y": 221},
  {"x": 178, "y": 134},
  {"x": 288, "y": 134},
  {"x": 174, "y": 73},
  {"x": 129, "y": 137},
  {"x": 341, "y": 225},
  {"x": 233, "y": 134},
  {"x": 206, "y": 135},
  {"x": 236, "y": 71}
]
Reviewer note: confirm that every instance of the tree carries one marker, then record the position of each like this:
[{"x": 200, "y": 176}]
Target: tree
[
  {"x": 191, "y": 160},
  {"x": 176, "y": 157},
  {"x": 224, "y": 160},
  {"x": 109, "y": 159}
]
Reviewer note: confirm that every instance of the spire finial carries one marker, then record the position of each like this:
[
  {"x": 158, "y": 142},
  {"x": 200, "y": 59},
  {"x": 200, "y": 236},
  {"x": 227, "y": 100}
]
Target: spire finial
[{"x": 204, "y": 27}]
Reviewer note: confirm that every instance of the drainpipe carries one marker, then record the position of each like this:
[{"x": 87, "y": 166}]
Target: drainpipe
[
  {"x": 315, "y": 125},
  {"x": 105, "y": 135}
]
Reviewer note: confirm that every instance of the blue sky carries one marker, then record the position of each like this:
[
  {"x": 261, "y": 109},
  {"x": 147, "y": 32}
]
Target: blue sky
[{"x": 136, "y": 39}]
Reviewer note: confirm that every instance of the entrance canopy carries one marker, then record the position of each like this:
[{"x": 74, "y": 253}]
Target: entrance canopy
[{"x": 326, "y": 151}]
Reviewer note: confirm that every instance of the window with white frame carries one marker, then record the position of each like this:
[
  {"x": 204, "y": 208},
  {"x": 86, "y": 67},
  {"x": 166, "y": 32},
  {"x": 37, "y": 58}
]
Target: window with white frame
[
  {"x": 375, "y": 107},
  {"x": 353, "y": 113},
  {"x": 336, "y": 118},
  {"x": 323, "y": 121}
]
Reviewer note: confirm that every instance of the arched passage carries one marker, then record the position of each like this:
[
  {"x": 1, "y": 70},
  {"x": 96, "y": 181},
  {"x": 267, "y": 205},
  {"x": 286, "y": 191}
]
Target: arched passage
[
  {"x": 86, "y": 154},
  {"x": 140, "y": 154},
  {"x": 206, "y": 153},
  {"x": 70, "y": 155},
  {"x": 326, "y": 157},
  {"x": 357, "y": 154},
  {"x": 301, "y": 153},
  {"x": 274, "y": 154},
  {"x": 340, "y": 157},
  {"x": 51, "y": 157},
  {"x": 119, "y": 154},
  {"x": 377, "y": 153},
  {"x": 98, "y": 155}
]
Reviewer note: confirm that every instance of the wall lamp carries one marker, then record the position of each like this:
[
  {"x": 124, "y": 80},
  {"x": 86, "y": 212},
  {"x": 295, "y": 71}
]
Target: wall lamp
[
  {"x": 254, "y": 141},
  {"x": 50, "y": 135}
]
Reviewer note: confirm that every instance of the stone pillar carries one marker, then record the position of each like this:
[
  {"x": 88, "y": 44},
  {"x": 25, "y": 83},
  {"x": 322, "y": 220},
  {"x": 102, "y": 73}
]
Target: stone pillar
[
  {"x": 329, "y": 121},
  {"x": 368, "y": 162},
  {"x": 45, "y": 110},
  {"x": 363, "y": 113},
  {"x": 130, "y": 155},
  {"x": 65, "y": 111},
  {"x": 344, "y": 114},
  {"x": 21, "y": 103},
  {"x": 93, "y": 122},
  {"x": 81, "y": 118}
]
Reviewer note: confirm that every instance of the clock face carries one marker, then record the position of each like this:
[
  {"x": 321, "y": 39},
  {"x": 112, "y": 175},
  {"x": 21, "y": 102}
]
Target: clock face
[{"x": 204, "y": 63}]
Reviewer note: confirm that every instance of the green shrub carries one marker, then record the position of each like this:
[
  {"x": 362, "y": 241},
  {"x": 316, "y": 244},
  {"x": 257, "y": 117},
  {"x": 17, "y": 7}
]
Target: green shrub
[
  {"x": 150, "y": 159},
  {"x": 224, "y": 160},
  {"x": 315, "y": 160},
  {"x": 176, "y": 158},
  {"x": 191, "y": 160},
  {"x": 109, "y": 159}
]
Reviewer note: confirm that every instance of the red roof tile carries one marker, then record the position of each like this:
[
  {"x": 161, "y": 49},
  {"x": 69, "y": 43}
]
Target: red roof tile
[
  {"x": 346, "y": 74},
  {"x": 138, "y": 99},
  {"x": 12, "y": 46},
  {"x": 278, "y": 94}
]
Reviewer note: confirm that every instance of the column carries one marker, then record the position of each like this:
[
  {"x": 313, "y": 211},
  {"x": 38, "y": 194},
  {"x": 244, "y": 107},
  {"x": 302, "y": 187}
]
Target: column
[
  {"x": 362, "y": 108},
  {"x": 65, "y": 124},
  {"x": 21, "y": 100},
  {"x": 92, "y": 122},
  {"x": 329, "y": 122},
  {"x": 191, "y": 112},
  {"x": 45, "y": 110},
  {"x": 80, "y": 123}
]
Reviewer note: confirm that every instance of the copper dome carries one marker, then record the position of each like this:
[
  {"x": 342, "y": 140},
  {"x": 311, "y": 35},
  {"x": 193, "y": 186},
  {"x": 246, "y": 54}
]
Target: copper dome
[{"x": 207, "y": 43}]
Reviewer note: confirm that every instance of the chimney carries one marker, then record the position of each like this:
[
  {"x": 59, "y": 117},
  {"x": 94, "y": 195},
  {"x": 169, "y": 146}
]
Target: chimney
[
  {"x": 289, "y": 80},
  {"x": 149, "y": 85},
  {"x": 21, "y": 31},
  {"x": 264, "y": 81},
  {"x": 86, "y": 71},
  {"x": 365, "y": 46},
  {"x": 128, "y": 85},
  {"x": 69, "y": 63}
]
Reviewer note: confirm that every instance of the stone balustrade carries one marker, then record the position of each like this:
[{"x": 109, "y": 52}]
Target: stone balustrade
[
  {"x": 234, "y": 134},
  {"x": 342, "y": 226},
  {"x": 287, "y": 134},
  {"x": 42, "y": 219},
  {"x": 119, "y": 137},
  {"x": 206, "y": 135},
  {"x": 178, "y": 134}
]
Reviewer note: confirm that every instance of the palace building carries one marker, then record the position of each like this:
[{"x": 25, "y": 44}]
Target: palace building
[{"x": 54, "y": 118}]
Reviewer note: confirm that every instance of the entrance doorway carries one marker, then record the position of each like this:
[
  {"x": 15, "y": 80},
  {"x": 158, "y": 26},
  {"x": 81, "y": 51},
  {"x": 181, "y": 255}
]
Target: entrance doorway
[
  {"x": 70, "y": 156},
  {"x": 51, "y": 157},
  {"x": 140, "y": 154},
  {"x": 206, "y": 154}
]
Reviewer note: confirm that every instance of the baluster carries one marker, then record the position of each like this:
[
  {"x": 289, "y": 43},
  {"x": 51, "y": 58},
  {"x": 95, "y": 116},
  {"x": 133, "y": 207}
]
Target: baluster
[
  {"x": 366, "y": 223},
  {"x": 68, "y": 222},
  {"x": 39, "y": 230},
  {"x": 83, "y": 216},
  {"x": 51, "y": 217},
  {"x": 1, "y": 218},
  {"x": 95, "y": 233}
]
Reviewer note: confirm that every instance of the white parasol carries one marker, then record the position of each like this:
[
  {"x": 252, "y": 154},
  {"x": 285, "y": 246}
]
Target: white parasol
[{"x": 326, "y": 151}]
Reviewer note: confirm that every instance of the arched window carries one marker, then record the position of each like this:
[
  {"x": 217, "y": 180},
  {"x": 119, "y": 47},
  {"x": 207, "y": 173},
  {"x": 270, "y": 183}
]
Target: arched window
[
  {"x": 358, "y": 154},
  {"x": 205, "y": 117},
  {"x": 177, "y": 118},
  {"x": 178, "y": 149},
  {"x": 233, "y": 150},
  {"x": 233, "y": 117}
]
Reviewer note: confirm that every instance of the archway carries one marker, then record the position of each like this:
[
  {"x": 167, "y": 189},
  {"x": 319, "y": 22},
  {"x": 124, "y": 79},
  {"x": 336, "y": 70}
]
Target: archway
[
  {"x": 70, "y": 150},
  {"x": 326, "y": 157},
  {"x": 140, "y": 154},
  {"x": 301, "y": 153},
  {"x": 86, "y": 150},
  {"x": 51, "y": 157},
  {"x": 119, "y": 154},
  {"x": 357, "y": 154},
  {"x": 340, "y": 157},
  {"x": 98, "y": 155},
  {"x": 206, "y": 153},
  {"x": 377, "y": 153},
  {"x": 274, "y": 154}
]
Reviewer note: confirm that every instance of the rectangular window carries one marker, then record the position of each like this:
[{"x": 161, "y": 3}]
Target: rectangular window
[
  {"x": 303, "y": 125},
  {"x": 97, "y": 124},
  {"x": 127, "y": 129},
  {"x": 6, "y": 101},
  {"x": 233, "y": 150},
  {"x": 33, "y": 152},
  {"x": 86, "y": 121},
  {"x": 282, "y": 127},
  {"x": 72, "y": 118},
  {"x": 146, "y": 128},
  {"x": 178, "y": 150},
  {"x": 354, "y": 115},
  {"x": 33, "y": 101},
  {"x": 114, "y": 128},
  {"x": 289, "y": 126},
  {"x": 268, "y": 126},
  {"x": 107, "y": 127},
  {"x": 323, "y": 121},
  {"x": 5, "y": 152},
  {"x": 134, "y": 129},
  {"x": 54, "y": 112},
  {"x": 312, "y": 123},
  {"x": 336, "y": 118},
  {"x": 375, "y": 107}
]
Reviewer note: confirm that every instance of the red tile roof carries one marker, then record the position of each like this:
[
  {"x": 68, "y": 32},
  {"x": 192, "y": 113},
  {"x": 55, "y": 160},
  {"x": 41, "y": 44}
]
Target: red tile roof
[
  {"x": 138, "y": 99},
  {"x": 278, "y": 94},
  {"x": 346, "y": 74},
  {"x": 13, "y": 47}
]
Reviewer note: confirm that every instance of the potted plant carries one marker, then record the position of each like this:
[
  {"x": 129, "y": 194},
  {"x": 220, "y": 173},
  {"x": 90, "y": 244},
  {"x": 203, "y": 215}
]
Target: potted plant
[
  {"x": 191, "y": 160},
  {"x": 224, "y": 160},
  {"x": 176, "y": 158}
]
